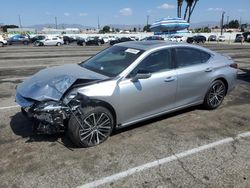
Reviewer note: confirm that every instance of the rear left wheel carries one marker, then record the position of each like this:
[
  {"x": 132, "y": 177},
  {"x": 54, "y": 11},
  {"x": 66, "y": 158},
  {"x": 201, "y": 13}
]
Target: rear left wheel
[
  {"x": 90, "y": 126},
  {"x": 215, "y": 95}
]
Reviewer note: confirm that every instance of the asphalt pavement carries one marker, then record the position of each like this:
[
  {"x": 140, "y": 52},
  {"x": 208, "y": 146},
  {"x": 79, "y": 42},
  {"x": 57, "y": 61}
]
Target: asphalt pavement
[{"x": 188, "y": 148}]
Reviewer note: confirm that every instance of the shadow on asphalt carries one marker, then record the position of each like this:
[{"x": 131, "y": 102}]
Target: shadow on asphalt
[
  {"x": 245, "y": 76},
  {"x": 22, "y": 126}
]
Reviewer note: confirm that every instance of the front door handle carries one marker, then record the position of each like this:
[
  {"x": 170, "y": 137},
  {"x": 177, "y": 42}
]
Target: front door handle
[
  {"x": 170, "y": 79},
  {"x": 208, "y": 69}
]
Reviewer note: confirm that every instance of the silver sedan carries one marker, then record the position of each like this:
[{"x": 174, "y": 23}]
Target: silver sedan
[{"x": 122, "y": 85}]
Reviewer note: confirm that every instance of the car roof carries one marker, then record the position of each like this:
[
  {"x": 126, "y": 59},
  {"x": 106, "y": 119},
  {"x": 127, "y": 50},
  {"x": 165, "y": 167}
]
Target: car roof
[{"x": 148, "y": 45}]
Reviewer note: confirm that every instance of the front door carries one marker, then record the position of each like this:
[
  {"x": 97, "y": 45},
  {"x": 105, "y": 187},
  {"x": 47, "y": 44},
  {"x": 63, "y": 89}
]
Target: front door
[{"x": 147, "y": 97}]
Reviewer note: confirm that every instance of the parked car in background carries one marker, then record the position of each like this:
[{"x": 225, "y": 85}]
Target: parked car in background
[
  {"x": 212, "y": 38},
  {"x": 197, "y": 39},
  {"x": 120, "y": 40},
  {"x": 105, "y": 39},
  {"x": 134, "y": 38},
  {"x": 54, "y": 41},
  {"x": 239, "y": 38},
  {"x": 152, "y": 38},
  {"x": 221, "y": 38},
  {"x": 246, "y": 36},
  {"x": 67, "y": 40},
  {"x": 178, "y": 39},
  {"x": 19, "y": 39},
  {"x": 38, "y": 37},
  {"x": 2, "y": 41},
  {"x": 123, "y": 85},
  {"x": 94, "y": 41},
  {"x": 80, "y": 42}
]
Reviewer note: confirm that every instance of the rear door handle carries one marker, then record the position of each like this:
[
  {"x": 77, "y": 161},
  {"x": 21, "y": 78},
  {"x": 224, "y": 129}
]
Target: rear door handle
[
  {"x": 208, "y": 70},
  {"x": 170, "y": 79}
]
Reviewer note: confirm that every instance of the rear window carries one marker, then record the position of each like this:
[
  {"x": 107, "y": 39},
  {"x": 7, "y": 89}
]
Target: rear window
[{"x": 190, "y": 56}]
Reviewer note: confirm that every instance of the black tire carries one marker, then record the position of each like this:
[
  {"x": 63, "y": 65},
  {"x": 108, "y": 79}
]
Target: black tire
[
  {"x": 99, "y": 43},
  {"x": 36, "y": 44},
  {"x": 58, "y": 44},
  {"x": 67, "y": 42},
  {"x": 25, "y": 43},
  {"x": 215, "y": 95},
  {"x": 1, "y": 44},
  {"x": 81, "y": 130}
]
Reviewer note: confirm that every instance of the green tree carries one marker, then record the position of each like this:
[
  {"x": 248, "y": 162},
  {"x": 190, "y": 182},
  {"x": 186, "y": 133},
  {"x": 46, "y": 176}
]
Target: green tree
[
  {"x": 234, "y": 24},
  {"x": 5, "y": 27},
  {"x": 147, "y": 28},
  {"x": 190, "y": 5},
  {"x": 179, "y": 6},
  {"x": 106, "y": 29}
]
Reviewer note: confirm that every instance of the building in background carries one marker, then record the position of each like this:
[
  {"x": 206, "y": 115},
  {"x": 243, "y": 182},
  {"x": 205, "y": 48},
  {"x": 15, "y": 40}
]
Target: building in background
[
  {"x": 60, "y": 31},
  {"x": 21, "y": 31}
]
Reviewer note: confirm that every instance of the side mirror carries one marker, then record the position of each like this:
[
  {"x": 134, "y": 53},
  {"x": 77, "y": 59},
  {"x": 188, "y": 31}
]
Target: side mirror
[{"x": 141, "y": 74}]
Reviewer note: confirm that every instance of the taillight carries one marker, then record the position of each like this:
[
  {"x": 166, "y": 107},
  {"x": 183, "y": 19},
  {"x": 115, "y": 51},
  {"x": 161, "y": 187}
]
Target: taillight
[{"x": 234, "y": 65}]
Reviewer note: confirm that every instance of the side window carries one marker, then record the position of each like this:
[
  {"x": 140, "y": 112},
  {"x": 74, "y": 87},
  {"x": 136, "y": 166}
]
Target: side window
[
  {"x": 189, "y": 56},
  {"x": 54, "y": 38},
  {"x": 155, "y": 62},
  {"x": 205, "y": 57}
]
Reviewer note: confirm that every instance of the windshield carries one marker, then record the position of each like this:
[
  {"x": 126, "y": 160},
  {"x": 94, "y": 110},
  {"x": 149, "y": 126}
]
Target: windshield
[{"x": 112, "y": 61}]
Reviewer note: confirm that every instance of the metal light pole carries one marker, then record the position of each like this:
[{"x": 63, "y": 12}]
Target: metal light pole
[
  {"x": 147, "y": 22},
  {"x": 20, "y": 23},
  {"x": 98, "y": 23},
  {"x": 222, "y": 22},
  {"x": 56, "y": 21}
]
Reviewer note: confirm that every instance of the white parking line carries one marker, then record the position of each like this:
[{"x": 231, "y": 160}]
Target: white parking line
[
  {"x": 134, "y": 170},
  {"x": 9, "y": 107}
]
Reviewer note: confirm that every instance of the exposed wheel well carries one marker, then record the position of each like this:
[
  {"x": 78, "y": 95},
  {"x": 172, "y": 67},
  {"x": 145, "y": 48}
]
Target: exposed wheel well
[
  {"x": 225, "y": 82},
  {"x": 106, "y": 105}
]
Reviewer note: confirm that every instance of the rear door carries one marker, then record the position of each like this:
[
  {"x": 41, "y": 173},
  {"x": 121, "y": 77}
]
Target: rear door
[{"x": 194, "y": 73}]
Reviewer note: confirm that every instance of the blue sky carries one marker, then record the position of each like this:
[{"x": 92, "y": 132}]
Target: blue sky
[{"x": 114, "y": 11}]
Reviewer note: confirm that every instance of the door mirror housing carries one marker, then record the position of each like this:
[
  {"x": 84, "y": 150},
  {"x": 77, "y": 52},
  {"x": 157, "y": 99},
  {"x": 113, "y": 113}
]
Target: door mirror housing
[{"x": 141, "y": 74}]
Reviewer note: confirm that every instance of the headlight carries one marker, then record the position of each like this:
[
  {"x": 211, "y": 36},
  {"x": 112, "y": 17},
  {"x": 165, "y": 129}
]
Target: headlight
[{"x": 48, "y": 106}]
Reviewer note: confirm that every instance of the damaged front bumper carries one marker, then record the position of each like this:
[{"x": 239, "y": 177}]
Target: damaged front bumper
[{"x": 49, "y": 116}]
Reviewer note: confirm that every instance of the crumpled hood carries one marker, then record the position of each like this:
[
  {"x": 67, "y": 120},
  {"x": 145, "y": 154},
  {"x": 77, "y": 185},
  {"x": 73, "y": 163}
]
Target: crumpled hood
[{"x": 52, "y": 83}]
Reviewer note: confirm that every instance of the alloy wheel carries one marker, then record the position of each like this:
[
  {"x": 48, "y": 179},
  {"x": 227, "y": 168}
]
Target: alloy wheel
[
  {"x": 216, "y": 94},
  {"x": 95, "y": 128}
]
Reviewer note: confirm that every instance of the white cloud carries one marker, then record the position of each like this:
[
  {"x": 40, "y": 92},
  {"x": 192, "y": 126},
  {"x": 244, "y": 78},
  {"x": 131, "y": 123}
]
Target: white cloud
[
  {"x": 83, "y": 14},
  {"x": 126, "y": 12},
  {"x": 66, "y": 14},
  {"x": 215, "y": 9},
  {"x": 166, "y": 6}
]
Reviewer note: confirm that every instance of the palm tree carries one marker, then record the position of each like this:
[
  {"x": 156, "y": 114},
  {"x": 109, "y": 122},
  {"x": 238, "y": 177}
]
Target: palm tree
[
  {"x": 179, "y": 2},
  {"x": 189, "y": 9}
]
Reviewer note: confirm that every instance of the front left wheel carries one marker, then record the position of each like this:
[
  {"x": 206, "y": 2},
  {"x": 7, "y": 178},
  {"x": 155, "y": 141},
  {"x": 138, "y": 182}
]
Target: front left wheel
[{"x": 90, "y": 126}]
